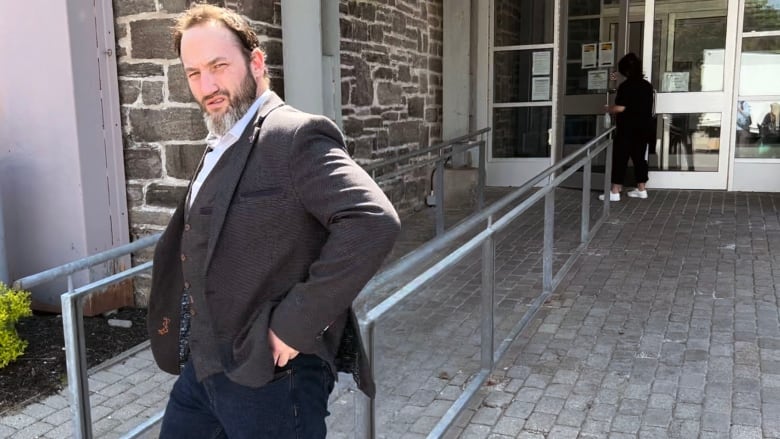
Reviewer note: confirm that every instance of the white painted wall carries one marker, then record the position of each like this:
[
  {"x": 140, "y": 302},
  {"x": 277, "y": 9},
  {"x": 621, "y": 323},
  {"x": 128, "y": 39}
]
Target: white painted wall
[{"x": 52, "y": 152}]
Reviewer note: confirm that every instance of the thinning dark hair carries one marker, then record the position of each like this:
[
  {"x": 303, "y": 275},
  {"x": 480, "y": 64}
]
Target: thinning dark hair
[
  {"x": 630, "y": 66},
  {"x": 204, "y": 13}
]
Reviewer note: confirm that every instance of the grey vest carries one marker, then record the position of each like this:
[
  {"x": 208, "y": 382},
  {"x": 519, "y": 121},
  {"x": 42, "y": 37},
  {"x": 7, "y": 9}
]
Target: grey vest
[{"x": 203, "y": 342}]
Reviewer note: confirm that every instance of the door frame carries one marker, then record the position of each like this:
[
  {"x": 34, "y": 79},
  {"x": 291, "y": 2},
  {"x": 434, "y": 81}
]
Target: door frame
[
  {"x": 697, "y": 102},
  {"x": 514, "y": 171}
]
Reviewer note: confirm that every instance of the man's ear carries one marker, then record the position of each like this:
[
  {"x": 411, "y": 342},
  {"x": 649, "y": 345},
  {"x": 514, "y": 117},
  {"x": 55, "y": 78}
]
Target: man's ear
[{"x": 257, "y": 64}]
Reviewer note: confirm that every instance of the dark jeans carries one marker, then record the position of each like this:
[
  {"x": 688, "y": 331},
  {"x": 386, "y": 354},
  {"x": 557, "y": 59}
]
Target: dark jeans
[{"x": 294, "y": 405}]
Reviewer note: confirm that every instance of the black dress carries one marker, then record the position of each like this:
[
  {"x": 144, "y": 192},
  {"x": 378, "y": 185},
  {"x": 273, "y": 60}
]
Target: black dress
[{"x": 632, "y": 126}]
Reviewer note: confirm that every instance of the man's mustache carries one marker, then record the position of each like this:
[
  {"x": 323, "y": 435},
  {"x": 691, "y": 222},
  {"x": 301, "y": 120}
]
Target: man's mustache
[{"x": 214, "y": 95}]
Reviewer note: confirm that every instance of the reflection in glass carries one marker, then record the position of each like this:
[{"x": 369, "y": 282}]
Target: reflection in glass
[
  {"x": 521, "y": 132},
  {"x": 579, "y": 129},
  {"x": 760, "y": 67},
  {"x": 761, "y": 15},
  {"x": 513, "y": 76},
  {"x": 584, "y": 7},
  {"x": 521, "y": 22},
  {"x": 579, "y": 32},
  {"x": 687, "y": 142},
  {"x": 758, "y": 129},
  {"x": 696, "y": 63}
]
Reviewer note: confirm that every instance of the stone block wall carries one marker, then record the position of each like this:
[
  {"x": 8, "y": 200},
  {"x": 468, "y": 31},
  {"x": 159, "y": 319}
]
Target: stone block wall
[
  {"x": 391, "y": 95},
  {"x": 391, "y": 85}
]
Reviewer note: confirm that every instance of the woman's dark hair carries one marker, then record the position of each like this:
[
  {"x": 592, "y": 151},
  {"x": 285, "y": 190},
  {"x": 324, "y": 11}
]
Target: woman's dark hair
[{"x": 630, "y": 66}]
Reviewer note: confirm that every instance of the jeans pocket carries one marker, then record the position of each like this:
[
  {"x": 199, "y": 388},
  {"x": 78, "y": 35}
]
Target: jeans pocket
[{"x": 279, "y": 377}]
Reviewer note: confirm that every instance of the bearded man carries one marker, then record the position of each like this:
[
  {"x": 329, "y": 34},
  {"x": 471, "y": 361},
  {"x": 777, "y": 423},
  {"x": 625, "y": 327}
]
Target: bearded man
[{"x": 255, "y": 275}]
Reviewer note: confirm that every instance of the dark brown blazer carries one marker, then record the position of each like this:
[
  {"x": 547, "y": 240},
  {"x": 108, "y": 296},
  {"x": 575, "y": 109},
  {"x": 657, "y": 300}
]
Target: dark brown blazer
[{"x": 297, "y": 230}]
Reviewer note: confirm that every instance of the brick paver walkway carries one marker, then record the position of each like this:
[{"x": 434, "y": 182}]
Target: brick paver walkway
[{"x": 667, "y": 326}]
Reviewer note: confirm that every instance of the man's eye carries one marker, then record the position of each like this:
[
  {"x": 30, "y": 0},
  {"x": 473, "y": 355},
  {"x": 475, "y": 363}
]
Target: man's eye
[
  {"x": 193, "y": 74},
  {"x": 220, "y": 66}
]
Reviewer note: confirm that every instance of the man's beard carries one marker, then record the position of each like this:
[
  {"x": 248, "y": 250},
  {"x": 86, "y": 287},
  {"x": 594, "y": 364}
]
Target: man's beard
[{"x": 244, "y": 97}]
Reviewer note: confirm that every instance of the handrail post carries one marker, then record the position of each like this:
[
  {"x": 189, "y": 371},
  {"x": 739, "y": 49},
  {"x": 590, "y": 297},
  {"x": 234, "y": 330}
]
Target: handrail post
[
  {"x": 488, "y": 290},
  {"x": 438, "y": 189},
  {"x": 76, "y": 362},
  {"x": 365, "y": 407},
  {"x": 608, "y": 177},
  {"x": 482, "y": 173},
  {"x": 586, "y": 177},
  {"x": 549, "y": 236}
]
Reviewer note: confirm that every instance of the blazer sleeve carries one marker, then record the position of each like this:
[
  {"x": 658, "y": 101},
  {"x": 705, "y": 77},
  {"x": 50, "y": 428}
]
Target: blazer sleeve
[{"x": 362, "y": 226}]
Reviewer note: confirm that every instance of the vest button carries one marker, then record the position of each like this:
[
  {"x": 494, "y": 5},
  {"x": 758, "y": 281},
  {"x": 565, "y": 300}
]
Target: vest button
[
  {"x": 183, "y": 257},
  {"x": 187, "y": 227}
]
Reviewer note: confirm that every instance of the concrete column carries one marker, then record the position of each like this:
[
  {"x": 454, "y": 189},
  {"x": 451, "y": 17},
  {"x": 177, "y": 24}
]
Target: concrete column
[
  {"x": 302, "y": 41},
  {"x": 331, "y": 60},
  {"x": 312, "y": 66},
  {"x": 456, "y": 62}
]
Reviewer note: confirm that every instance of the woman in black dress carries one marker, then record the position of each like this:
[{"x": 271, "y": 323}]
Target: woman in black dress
[{"x": 633, "y": 111}]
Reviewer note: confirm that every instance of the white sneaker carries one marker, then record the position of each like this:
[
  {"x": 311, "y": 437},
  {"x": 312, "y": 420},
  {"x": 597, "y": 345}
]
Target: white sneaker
[
  {"x": 613, "y": 196},
  {"x": 636, "y": 193}
]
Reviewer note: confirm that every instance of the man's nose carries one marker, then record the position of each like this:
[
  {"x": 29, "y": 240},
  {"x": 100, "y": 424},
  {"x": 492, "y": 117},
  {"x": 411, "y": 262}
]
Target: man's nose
[{"x": 208, "y": 83}]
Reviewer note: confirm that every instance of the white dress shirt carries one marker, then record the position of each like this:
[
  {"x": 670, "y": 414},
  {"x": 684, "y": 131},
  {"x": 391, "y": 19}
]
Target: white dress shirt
[{"x": 216, "y": 146}]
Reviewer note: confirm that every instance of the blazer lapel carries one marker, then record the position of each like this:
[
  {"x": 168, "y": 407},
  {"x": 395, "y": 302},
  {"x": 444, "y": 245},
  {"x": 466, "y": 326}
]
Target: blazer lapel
[{"x": 235, "y": 169}]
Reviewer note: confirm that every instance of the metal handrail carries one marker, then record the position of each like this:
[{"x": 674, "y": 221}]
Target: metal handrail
[
  {"x": 84, "y": 263},
  {"x": 72, "y": 300},
  {"x": 582, "y": 158},
  {"x": 373, "y": 166},
  {"x": 445, "y": 150}
]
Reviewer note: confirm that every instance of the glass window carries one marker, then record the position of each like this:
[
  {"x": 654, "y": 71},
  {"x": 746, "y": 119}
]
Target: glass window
[
  {"x": 697, "y": 58},
  {"x": 523, "y": 22},
  {"x": 521, "y": 132},
  {"x": 513, "y": 77},
  {"x": 758, "y": 129},
  {"x": 585, "y": 7},
  {"x": 687, "y": 142},
  {"x": 761, "y": 15},
  {"x": 579, "y": 32},
  {"x": 580, "y": 129},
  {"x": 760, "y": 66}
]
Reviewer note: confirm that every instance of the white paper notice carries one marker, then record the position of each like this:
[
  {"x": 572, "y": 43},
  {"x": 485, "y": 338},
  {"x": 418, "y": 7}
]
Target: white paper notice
[
  {"x": 589, "y": 54},
  {"x": 676, "y": 81},
  {"x": 597, "y": 79},
  {"x": 606, "y": 54},
  {"x": 541, "y": 63},
  {"x": 540, "y": 88}
]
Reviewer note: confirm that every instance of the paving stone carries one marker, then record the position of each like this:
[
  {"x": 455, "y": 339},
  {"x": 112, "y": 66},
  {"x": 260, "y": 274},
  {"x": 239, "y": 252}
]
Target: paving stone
[
  {"x": 563, "y": 432},
  {"x": 509, "y": 426},
  {"x": 486, "y": 416},
  {"x": 18, "y": 421},
  {"x": 33, "y": 431},
  {"x": 38, "y": 411},
  {"x": 540, "y": 422},
  {"x": 746, "y": 432}
]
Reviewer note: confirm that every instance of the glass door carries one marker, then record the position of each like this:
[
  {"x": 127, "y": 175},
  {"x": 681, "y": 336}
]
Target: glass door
[
  {"x": 686, "y": 46},
  {"x": 692, "y": 47},
  {"x": 522, "y": 82}
]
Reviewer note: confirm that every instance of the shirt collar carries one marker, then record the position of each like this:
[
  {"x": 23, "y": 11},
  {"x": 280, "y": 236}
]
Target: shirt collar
[{"x": 213, "y": 141}]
